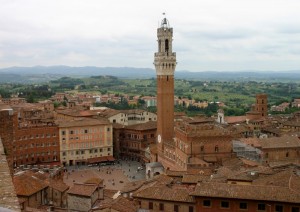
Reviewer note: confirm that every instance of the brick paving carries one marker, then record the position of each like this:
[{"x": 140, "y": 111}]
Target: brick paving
[{"x": 114, "y": 176}]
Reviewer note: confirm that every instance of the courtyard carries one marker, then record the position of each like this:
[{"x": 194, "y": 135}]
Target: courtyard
[{"x": 115, "y": 176}]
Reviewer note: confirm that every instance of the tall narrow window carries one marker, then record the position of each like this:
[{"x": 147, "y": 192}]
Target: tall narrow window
[
  {"x": 166, "y": 45},
  {"x": 150, "y": 205},
  {"x": 161, "y": 206},
  {"x": 159, "y": 46}
]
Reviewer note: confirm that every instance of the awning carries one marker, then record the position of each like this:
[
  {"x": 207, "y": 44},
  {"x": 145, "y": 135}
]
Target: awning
[
  {"x": 101, "y": 159},
  {"x": 110, "y": 158},
  {"x": 80, "y": 161}
]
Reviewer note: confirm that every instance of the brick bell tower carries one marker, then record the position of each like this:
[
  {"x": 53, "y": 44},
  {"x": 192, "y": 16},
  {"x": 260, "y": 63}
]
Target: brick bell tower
[
  {"x": 262, "y": 104},
  {"x": 165, "y": 63}
]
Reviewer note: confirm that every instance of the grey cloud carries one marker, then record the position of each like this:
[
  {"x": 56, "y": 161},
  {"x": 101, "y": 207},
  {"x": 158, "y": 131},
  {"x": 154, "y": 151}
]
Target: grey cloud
[{"x": 219, "y": 34}]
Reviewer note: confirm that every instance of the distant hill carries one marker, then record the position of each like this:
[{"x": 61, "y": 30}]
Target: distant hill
[{"x": 47, "y": 73}]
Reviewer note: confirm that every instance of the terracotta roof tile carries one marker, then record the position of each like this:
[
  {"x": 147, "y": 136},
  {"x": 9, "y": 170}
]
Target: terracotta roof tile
[
  {"x": 82, "y": 122},
  {"x": 27, "y": 184},
  {"x": 235, "y": 119},
  {"x": 143, "y": 126},
  {"x": 280, "y": 142},
  {"x": 94, "y": 180},
  {"x": 163, "y": 179},
  {"x": 132, "y": 186},
  {"x": 58, "y": 185},
  {"x": 286, "y": 178},
  {"x": 164, "y": 192},
  {"x": 121, "y": 204},
  {"x": 77, "y": 113},
  {"x": 83, "y": 189},
  {"x": 254, "y": 192},
  {"x": 194, "y": 178}
]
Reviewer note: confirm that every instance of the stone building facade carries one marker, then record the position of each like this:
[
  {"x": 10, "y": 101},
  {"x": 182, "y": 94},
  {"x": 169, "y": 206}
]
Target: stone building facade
[
  {"x": 280, "y": 149},
  {"x": 133, "y": 140},
  {"x": 128, "y": 117},
  {"x": 84, "y": 139},
  {"x": 200, "y": 144},
  {"x": 82, "y": 197}
]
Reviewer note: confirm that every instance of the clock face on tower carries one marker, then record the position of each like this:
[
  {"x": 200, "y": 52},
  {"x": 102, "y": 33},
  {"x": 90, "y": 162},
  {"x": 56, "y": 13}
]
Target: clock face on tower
[{"x": 159, "y": 138}]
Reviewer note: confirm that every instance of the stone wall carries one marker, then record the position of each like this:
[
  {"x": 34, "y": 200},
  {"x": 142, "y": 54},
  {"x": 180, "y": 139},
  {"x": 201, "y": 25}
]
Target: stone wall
[
  {"x": 8, "y": 197},
  {"x": 79, "y": 203}
]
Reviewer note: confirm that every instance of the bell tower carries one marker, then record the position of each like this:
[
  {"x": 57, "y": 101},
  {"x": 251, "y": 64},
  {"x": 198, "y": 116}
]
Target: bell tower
[
  {"x": 165, "y": 63},
  {"x": 262, "y": 104}
]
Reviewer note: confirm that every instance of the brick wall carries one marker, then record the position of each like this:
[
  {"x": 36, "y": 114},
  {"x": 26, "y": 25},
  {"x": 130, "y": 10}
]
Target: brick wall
[{"x": 8, "y": 197}]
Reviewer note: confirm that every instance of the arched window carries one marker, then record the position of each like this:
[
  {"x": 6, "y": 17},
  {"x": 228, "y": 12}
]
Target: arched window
[
  {"x": 216, "y": 148},
  {"x": 166, "y": 45},
  {"x": 287, "y": 154}
]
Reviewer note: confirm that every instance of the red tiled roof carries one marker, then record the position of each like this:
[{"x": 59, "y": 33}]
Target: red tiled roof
[
  {"x": 83, "y": 122},
  {"x": 280, "y": 142},
  {"x": 164, "y": 192},
  {"x": 83, "y": 189},
  {"x": 122, "y": 204},
  {"x": 247, "y": 192},
  {"x": 58, "y": 185},
  {"x": 286, "y": 178},
  {"x": 143, "y": 126},
  {"x": 132, "y": 186},
  {"x": 194, "y": 178},
  {"x": 94, "y": 180},
  {"x": 27, "y": 184},
  {"x": 235, "y": 119}
]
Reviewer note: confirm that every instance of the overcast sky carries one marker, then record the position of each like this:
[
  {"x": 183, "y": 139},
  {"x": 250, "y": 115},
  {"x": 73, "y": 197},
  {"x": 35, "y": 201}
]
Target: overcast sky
[{"x": 214, "y": 35}]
